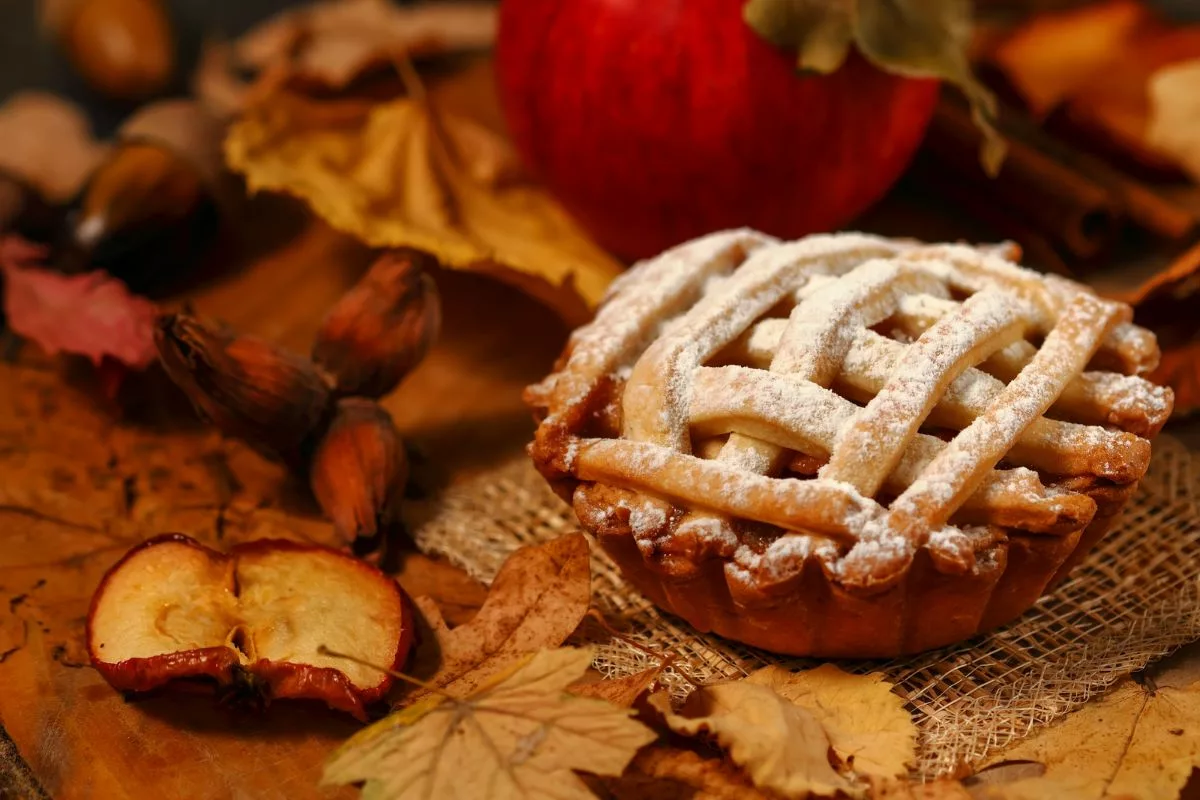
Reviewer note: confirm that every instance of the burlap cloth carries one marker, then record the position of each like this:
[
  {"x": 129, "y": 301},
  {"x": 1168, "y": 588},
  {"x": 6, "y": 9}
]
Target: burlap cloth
[{"x": 1134, "y": 599}]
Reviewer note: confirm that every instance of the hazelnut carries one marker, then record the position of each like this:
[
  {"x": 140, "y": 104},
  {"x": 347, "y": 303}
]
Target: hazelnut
[{"x": 382, "y": 328}]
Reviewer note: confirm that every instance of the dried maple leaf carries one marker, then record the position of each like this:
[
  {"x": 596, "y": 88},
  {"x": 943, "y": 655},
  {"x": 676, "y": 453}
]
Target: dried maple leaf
[
  {"x": 537, "y": 600},
  {"x": 1093, "y": 67},
  {"x": 866, "y": 721},
  {"x": 781, "y": 746},
  {"x": 93, "y": 315},
  {"x": 1053, "y": 55},
  {"x": 623, "y": 691},
  {"x": 406, "y": 175},
  {"x": 1174, "y": 124},
  {"x": 1179, "y": 368},
  {"x": 1134, "y": 742},
  {"x": 1121, "y": 109},
  {"x": 660, "y": 772},
  {"x": 519, "y": 736},
  {"x": 331, "y": 43},
  {"x": 47, "y": 142}
]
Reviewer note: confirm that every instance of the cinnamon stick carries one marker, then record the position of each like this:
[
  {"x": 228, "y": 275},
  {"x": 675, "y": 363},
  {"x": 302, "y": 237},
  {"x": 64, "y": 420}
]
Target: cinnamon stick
[
  {"x": 1071, "y": 197},
  {"x": 1072, "y": 210},
  {"x": 1146, "y": 208}
]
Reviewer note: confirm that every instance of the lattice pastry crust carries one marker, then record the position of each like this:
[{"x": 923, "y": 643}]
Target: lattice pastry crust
[{"x": 847, "y": 445}]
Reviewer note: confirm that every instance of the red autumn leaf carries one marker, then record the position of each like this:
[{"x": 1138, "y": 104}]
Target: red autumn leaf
[{"x": 92, "y": 315}]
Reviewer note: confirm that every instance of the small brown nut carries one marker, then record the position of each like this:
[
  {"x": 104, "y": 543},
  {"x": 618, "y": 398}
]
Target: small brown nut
[
  {"x": 123, "y": 48},
  {"x": 250, "y": 389},
  {"x": 382, "y": 328},
  {"x": 359, "y": 469},
  {"x": 139, "y": 186},
  {"x": 144, "y": 217}
]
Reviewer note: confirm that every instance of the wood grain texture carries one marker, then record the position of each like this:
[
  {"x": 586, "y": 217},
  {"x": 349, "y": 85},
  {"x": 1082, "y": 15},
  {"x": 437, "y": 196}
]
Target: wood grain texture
[{"x": 80, "y": 484}]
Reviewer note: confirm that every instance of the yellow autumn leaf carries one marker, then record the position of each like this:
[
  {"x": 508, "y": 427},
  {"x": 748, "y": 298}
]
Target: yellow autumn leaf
[
  {"x": 866, "y": 721},
  {"x": 781, "y": 746},
  {"x": 407, "y": 175},
  {"x": 519, "y": 737},
  {"x": 1134, "y": 742}
]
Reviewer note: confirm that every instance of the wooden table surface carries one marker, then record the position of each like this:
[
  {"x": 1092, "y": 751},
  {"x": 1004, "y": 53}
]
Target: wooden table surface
[{"x": 79, "y": 484}]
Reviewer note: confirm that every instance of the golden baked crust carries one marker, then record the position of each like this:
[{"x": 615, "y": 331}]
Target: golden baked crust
[{"x": 847, "y": 445}]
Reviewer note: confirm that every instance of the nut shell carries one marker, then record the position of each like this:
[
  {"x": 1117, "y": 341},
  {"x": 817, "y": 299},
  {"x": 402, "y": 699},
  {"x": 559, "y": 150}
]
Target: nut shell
[
  {"x": 383, "y": 327},
  {"x": 359, "y": 469},
  {"x": 250, "y": 389}
]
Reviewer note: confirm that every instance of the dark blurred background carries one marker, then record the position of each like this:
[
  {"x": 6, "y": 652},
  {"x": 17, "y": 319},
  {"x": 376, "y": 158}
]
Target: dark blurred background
[{"x": 29, "y": 60}]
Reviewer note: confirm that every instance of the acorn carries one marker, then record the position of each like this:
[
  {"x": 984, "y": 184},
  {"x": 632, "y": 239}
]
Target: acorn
[
  {"x": 122, "y": 48},
  {"x": 152, "y": 209},
  {"x": 270, "y": 399},
  {"x": 358, "y": 471},
  {"x": 383, "y": 327}
]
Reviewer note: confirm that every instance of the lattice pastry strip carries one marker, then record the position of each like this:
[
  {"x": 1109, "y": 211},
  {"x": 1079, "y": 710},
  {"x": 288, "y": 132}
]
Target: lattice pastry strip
[
  {"x": 1133, "y": 349},
  {"x": 1133, "y": 403},
  {"x": 656, "y": 395},
  {"x": 963, "y": 464},
  {"x": 807, "y": 418},
  {"x": 814, "y": 343},
  {"x": 1047, "y": 444},
  {"x": 871, "y": 444},
  {"x": 640, "y": 301}
]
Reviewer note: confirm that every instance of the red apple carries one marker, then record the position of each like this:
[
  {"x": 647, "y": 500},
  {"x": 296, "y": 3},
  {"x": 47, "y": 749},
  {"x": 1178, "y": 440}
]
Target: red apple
[
  {"x": 656, "y": 121},
  {"x": 252, "y": 621}
]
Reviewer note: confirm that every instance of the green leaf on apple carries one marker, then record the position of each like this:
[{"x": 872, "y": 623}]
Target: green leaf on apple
[
  {"x": 820, "y": 31},
  {"x": 914, "y": 38}
]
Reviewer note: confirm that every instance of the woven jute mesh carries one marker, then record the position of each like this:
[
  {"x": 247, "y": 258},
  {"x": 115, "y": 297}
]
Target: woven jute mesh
[{"x": 1135, "y": 598}]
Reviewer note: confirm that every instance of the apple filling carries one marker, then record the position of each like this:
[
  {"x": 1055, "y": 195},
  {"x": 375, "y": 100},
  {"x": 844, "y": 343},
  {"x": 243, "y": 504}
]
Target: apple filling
[{"x": 175, "y": 609}]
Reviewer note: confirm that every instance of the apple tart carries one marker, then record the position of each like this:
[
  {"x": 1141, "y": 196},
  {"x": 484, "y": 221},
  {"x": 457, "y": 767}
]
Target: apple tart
[{"x": 847, "y": 445}]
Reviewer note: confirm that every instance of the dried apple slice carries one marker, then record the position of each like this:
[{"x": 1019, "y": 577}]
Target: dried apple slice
[{"x": 252, "y": 620}]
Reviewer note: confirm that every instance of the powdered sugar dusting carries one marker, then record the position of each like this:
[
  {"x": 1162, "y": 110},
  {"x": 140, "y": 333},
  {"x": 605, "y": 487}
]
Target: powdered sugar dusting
[
  {"x": 957, "y": 470},
  {"x": 870, "y": 447}
]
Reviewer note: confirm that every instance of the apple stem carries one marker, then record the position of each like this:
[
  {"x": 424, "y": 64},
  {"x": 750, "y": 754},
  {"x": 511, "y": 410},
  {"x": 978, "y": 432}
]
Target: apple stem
[{"x": 400, "y": 676}]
